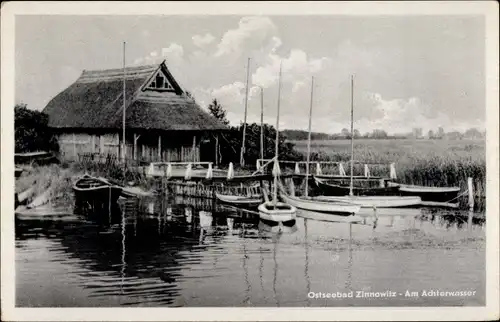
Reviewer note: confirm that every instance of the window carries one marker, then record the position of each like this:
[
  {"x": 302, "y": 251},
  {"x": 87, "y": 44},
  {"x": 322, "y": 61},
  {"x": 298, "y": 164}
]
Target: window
[{"x": 160, "y": 82}]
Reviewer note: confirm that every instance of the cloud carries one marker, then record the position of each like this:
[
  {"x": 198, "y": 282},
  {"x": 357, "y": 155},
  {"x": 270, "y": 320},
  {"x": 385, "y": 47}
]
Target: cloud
[
  {"x": 231, "y": 94},
  {"x": 296, "y": 68},
  {"x": 219, "y": 71},
  {"x": 251, "y": 32},
  {"x": 401, "y": 115},
  {"x": 202, "y": 41},
  {"x": 174, "y": 51}
]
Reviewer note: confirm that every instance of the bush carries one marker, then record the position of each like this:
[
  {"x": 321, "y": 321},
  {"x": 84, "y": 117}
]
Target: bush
[
  {"x": 230, "y": 145},
  {"x": 32, "y": 132}
]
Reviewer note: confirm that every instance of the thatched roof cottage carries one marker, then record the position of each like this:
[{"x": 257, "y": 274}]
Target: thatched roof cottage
[{"x": 162, "y": 122}]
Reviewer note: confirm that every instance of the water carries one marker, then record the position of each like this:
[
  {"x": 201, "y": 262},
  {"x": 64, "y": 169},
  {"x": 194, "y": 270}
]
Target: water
[{"x": 188, "y": 253}]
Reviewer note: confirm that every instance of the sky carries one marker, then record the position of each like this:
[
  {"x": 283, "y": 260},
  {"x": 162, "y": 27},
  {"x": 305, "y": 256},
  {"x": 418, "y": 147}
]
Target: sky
[{"x": 408, "y": 71}]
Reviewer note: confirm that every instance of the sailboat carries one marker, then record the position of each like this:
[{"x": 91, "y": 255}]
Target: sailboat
[
  {"x": 382, "y": 197},
  {"x": 274, "y": 210},
  {"x": 306, "y": 203},
  {"x": 431, "y": 196}
]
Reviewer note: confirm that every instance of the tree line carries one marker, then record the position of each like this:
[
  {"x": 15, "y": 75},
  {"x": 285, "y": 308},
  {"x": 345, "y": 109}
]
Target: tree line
[{"x": 439, "y": 134}]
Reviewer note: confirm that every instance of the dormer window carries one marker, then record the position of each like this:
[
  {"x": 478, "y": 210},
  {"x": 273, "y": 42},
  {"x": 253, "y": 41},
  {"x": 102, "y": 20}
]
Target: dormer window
[{"x": 160, "y": 82}]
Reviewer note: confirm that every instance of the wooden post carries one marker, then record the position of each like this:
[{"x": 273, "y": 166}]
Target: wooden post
[
  {"x": 216, "y": 154},
  {"x": 292, "y": 187},
  {"x": 101, "y": 143},
  {"x": 193, "y": 151},
  {"x": 471, "y": 194},
  {"x": 74, "y": 147},
  {"x": 93, "y": 143},
  {"x": 135, "y": 146},
  {"x": 159, "y": 147}
]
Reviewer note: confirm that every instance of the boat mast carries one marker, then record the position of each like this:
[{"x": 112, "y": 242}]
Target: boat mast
[
  {"x": 242, "y": 154},
  {"x": 261, "y": 123},
  {"x": 309, "y": 138},
  {"x": 352, "y": 135},
  {"x": 124, "y": 104},
  {"x": 275, "y": 192}
]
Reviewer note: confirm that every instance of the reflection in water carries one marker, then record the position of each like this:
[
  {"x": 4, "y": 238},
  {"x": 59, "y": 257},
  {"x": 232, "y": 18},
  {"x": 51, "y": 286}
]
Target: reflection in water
[
  {"x": 124, "y": 264},
  {"x": 193, "y": 255},
  {"x": 261, "y": 273},
  {"x": 306, "y": 262},
  {"x": 245, "y": 270},
  {"x": 349, "y": 261},
  {"x": 275, "y": 276}
]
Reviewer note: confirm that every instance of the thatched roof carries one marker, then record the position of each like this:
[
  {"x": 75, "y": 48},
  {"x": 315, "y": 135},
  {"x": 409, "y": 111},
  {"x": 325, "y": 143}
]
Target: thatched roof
[{"x": 95, "y": 100}]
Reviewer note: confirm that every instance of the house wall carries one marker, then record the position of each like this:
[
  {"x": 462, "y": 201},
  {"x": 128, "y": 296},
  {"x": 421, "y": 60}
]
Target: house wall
[{"x": 173, "y": 147}]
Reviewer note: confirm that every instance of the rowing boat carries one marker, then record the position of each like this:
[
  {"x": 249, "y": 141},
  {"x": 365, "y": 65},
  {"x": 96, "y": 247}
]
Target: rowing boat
[
  {"x": 431, "y": 196},
  {"x": 331, "y": 189},
  {"x": 375, "y": 201},
  {"x": 88, "y": 188},
  {"x": 248, "y": 201},
  {"x": 277, "y": 211},
  {"x": 429, "y": 193},
  {"x": 324, "y": 206}
]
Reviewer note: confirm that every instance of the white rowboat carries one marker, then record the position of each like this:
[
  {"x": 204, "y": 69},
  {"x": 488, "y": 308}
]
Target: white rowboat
[
  {"x": 277, "y": 212},
  {"x": 375, "y": 201},
  {"x": 328, "y": 206},
  {"x": 239, "y": 200}
]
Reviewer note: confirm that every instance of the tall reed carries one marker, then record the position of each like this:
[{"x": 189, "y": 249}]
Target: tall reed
[{"x": 422, "y": 162}]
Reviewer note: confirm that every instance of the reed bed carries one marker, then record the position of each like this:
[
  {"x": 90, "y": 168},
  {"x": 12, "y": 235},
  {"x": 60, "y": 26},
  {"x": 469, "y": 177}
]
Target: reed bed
[
  {"x": 55, "y": 179},
  {"x": 421, "y": 162}
]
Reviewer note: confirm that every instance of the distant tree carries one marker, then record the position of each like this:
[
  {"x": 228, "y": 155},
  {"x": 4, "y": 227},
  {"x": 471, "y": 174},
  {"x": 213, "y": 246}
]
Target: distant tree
[
  {"x": 379, "y": 134},
  {"x": 455, "y": 135},
  {"x": 473, "y": 133},
  {"x": 218, "y": 111},
  {"x": 417, "y": 132},
  {"x": 32, "y": 132},
  {"x": 430, "y": 134},
  {"x": 356, "y": 133},
  {"x": 345, "y": 133},
  {"x": 440, "y": 133}
]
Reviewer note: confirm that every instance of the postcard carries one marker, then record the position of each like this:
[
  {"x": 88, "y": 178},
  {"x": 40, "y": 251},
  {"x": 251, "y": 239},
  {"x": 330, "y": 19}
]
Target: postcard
[{"x": 250, "y": 161}]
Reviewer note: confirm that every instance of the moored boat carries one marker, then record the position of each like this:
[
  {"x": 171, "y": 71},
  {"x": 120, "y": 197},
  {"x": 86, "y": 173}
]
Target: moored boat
[
  {"x": 375, "y": 201},
  {"x": 88, "y": 188},
  {"x": 274, "y": 210},
  {"x": 136, "y": 192},
  {"x": 331, "y": 189},
  {"x": 278, "y": 212},
  {"x": 235, "y": 200},
  {"x": 431, "y": 196},
  {"x": 324, "y": 206}
]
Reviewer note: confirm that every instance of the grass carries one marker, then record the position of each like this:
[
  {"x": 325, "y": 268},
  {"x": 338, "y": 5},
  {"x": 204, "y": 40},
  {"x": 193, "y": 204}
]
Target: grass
[
  {"x": 55, "y": 178},
  {"x": 59, "y": 179},
  {"x": 421, "y": 162}
]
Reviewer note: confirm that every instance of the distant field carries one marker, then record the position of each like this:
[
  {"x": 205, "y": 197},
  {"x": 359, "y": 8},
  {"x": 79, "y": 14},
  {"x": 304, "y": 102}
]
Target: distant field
[
  {"x": 392, "y": 150},
  {"x": 427, "y": 162}
]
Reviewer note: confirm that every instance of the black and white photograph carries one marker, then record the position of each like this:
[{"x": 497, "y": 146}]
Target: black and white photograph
[{"x": 278, "y": 156}]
